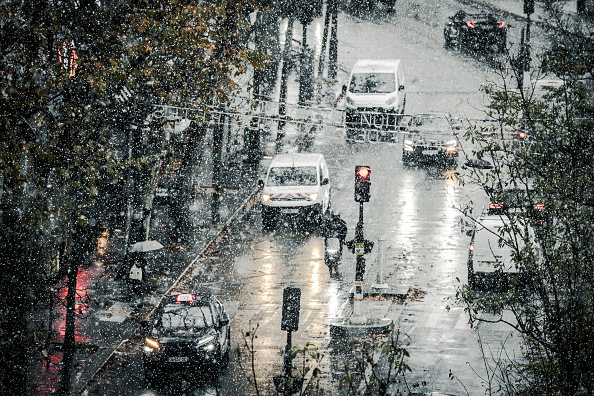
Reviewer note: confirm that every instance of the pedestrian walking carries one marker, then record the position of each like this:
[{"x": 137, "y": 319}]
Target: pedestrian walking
[{"x": 136, "y": 275}]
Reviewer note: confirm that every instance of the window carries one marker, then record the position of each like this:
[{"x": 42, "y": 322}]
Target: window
[
  {"x": 184, "y": 317},
  {"x": 373, "y": 83},
  {"x": 292, "y": 176}
]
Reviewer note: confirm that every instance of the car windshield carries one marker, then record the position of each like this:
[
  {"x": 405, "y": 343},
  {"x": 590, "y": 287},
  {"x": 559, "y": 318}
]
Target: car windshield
[
  {"x": 429, "y": 124},
  {"x": 292, "y": 176},
  {"x": 179, "y": 317},
  {"x": 373, "y": 83}
]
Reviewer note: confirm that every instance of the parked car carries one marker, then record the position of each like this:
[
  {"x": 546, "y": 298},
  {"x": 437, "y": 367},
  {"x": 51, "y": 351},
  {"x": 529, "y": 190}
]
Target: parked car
[
  {"x": 296, "y": 185},
  {"x": 478, "y": 32},
  {"x": 375, "y": 99},
  {"x": 430, "y": 137},
  {"x": 489, "y": 257},
  {"x": 189, "y": 332}
]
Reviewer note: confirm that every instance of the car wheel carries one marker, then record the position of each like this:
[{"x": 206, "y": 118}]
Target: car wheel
[
  {"x": 225, "y": 359},
  {"x": 448, "y": 42},
  {"x": 406, "y": 159}
]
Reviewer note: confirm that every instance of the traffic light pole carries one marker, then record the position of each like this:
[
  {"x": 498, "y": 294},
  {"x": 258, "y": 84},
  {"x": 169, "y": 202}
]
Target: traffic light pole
[{"x": 357, "y": 316}]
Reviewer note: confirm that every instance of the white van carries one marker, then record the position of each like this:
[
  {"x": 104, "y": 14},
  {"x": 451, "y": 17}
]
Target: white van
[
  {"x": 489, "y": 263},
  {"x": 296, "y": 185},
  {"x": 375, "y": 96}
]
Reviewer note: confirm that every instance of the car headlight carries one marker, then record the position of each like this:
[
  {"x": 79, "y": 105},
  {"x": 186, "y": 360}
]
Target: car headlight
[
  {"x": 206, "y": 340},
  {"x": 313, "y": 197},
  {"x": 409, "y": 142},
  {"x": 151, "y": 344},
  {"x": 266, "y": 198},
  {"x": 207, "y": 343}
]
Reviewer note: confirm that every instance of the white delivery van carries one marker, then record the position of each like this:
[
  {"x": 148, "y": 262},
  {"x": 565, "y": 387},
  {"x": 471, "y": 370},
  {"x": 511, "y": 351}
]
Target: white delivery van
[
  {"x": 489, "y": 262},
  {"x": 375, "y": 97},
  {"x": 296, "y": 185}
]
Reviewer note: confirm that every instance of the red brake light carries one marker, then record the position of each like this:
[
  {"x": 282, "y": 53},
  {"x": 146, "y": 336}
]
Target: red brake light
[
  {"x": 539, "y": 206},
  {"x": 494, "y": 205},
  {"x": 501, "y": 24},
  {"x": 521, "y": 134},
  {"x": 470, "y": 24}
]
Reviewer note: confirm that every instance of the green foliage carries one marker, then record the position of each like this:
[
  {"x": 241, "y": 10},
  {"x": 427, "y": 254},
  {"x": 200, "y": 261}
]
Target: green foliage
[
  {"x": 57, "y": 119},
  {"x": 551, "y": 300},
  {"x": 379, "y": 365}
]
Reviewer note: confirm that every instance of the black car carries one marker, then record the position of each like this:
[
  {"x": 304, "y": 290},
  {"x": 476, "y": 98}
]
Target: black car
[
  {"x": 478, "y": 32},
  {"x": 189, "y": 332},
  {"x": 430, "y": 138}
]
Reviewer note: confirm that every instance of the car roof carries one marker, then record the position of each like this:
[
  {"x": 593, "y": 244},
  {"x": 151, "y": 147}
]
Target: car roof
[
  {"x": 376, "y": 65},
  {"x": 296, "y": 159}
]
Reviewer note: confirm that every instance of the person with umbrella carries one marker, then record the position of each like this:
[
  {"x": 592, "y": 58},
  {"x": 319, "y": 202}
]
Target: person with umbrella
[{"x": 136, "y": 260}]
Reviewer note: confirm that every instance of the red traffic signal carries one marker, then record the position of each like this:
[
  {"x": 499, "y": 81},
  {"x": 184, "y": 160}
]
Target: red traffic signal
[
  {"x": 362, "y": 183},
  {"x": 363, "y": 172}
]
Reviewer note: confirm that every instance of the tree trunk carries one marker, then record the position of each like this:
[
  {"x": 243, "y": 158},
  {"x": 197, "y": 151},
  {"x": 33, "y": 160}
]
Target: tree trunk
[
  {"x": 322, "y": 58},
  {"x": 282, "y": 107},
  {"x": 333, "y": 49},
  {"x": 183, "y": 185}
]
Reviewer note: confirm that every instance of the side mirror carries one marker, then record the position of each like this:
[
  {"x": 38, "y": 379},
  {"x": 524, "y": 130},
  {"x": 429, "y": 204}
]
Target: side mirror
[
  {"x": 224, "y": 320},
  {"x": 260, "y": 183},
  {"x": 325, "y": 181}
]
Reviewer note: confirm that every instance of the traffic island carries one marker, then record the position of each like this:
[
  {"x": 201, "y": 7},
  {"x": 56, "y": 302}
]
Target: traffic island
[
  {"x": 370, "y": 316},
  {"x": 356, "y": 325}
]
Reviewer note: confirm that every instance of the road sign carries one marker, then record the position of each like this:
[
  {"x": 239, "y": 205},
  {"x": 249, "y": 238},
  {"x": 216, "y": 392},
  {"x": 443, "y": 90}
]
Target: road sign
[{"x": 359, "y": 248}]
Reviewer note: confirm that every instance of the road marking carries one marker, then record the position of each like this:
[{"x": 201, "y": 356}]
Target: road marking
[{"x": 434, "y": 317}]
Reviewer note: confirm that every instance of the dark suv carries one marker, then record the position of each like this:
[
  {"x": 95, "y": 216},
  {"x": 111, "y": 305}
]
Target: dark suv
[
  {"x": 189, "y": 331},
  {"x": 478, "y": 32}
]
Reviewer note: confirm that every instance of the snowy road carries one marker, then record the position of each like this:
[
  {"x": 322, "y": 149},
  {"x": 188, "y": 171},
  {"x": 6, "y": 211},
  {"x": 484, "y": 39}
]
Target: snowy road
[{"x": 415, "y": 209}]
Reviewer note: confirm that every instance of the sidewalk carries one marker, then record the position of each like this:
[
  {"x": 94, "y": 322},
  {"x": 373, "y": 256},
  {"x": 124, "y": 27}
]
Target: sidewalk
[{"x": 105, "y": 315}]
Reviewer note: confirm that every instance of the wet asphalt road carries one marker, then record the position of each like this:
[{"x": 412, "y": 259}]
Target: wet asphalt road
[{"x": 416, "y": 209}]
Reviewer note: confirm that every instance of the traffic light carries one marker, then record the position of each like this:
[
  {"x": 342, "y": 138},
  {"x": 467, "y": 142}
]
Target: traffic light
[{"x": 362, "y": 183}]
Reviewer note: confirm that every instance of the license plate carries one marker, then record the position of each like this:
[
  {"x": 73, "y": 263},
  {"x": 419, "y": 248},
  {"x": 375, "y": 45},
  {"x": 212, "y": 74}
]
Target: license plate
[
  {"x": 429, "y": 152},
  {"x": 178, "y": 359},
  {"x": 291, "y": 211}
]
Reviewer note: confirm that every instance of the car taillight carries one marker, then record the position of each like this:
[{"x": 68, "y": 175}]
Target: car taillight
[
  {"x": 539, "y": 206},
  {"x": 521, "y": 135},
  {"x": 470, "y": 24},
  {"x": 494, "y": 205},
  {"x": 501, "y": 24}
]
